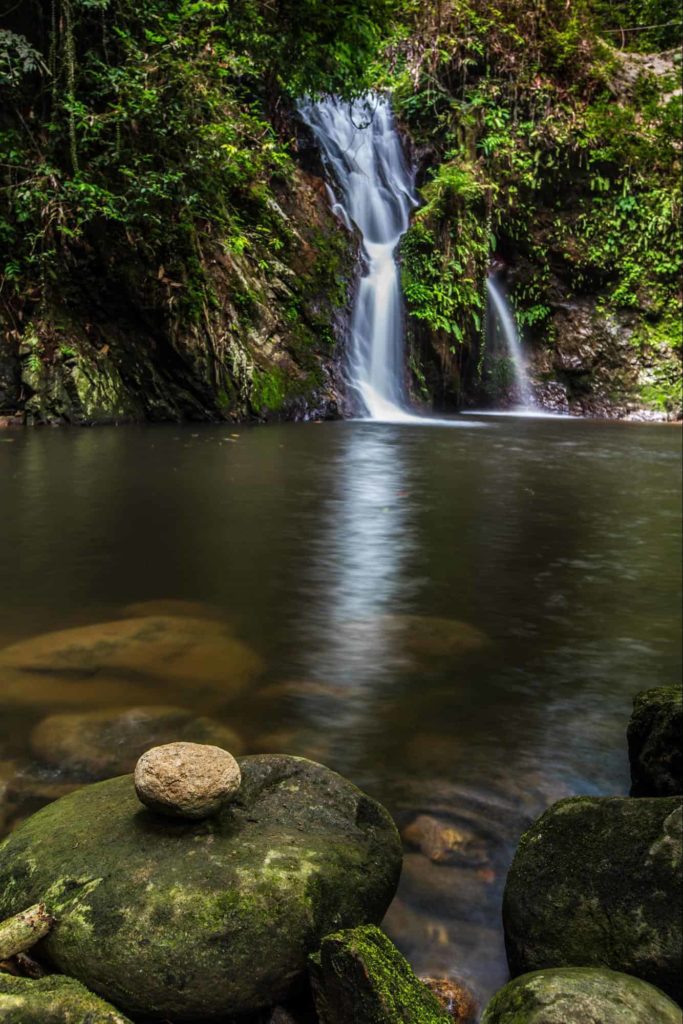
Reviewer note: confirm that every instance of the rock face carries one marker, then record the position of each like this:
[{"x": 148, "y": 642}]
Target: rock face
[
  {"x": 197, "y": 921},
  {"x": 577, "y": 995},
  {"x": 131, "y": 660},
  {"x": 52, "y": 1000},
  {"x": 360, "y": 976},
  {"x": 655, "y": 742},
  {"x": 187, "y": 780},
  {"x": 596, "y": 882},
  {"x": 101, "y": 744}
]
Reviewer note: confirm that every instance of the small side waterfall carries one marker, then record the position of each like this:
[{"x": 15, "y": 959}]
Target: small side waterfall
[
  {"x": 362, "y": 150},
  {"x": 505, "y": 320}
]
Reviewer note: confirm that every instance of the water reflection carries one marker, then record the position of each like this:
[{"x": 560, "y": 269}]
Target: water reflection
[{"x": 360, "y": 569}]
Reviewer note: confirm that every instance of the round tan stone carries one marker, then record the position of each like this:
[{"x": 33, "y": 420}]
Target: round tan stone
[{"x": 186, "y": 780}]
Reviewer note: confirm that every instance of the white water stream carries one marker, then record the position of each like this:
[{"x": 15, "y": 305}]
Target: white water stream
[
  {"x": 362, "y": 150},
  {"x": 505, "y": 320}
]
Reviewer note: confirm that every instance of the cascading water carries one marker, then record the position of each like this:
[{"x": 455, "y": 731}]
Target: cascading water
[
  {"x": 505, "y": 321},
  {"x": 362, "y": 150}
]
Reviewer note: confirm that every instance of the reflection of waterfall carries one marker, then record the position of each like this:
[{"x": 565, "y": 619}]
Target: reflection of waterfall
[
  {"x": 362, "y": 149},
  {"x": 361, "y": 561},
  {"x": 505, "y": 322}
]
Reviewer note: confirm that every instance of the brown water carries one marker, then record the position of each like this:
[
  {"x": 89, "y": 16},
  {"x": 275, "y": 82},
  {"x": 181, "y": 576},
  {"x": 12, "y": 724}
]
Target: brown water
[{"x": 557, "y": 543}]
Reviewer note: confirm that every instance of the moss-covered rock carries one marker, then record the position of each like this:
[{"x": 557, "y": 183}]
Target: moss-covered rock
[
  {"x": 596, "y": 882},
  {"x": 196, "y": 921},
  {"x": 52, "y": 1000},
  {"x": 358, "y": 975},
  {"x": 94, "y": 745},
  {"x": 655, "y": 742},
  {"x": 576, "y": 995}
]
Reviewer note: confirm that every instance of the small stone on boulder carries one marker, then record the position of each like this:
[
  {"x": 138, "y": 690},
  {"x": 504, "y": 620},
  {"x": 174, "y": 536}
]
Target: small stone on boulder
[
  {"x": 576, "y": 995},
  {"x": 187, "y": 780},
  {"x": 655, "y": 742},
  {"x": 596, "y": 883},
  {"x": 92, "y": 745},
  {"x": 358, "y": 975},
  {"x": 54, "y": 999}
]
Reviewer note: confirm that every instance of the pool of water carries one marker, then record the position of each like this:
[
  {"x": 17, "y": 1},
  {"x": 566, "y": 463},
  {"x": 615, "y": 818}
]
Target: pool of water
[{"x": 455, "y": 619}]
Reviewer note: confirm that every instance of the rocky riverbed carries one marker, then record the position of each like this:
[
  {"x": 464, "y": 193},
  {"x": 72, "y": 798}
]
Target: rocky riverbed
[{"x": 208, "y": 889}]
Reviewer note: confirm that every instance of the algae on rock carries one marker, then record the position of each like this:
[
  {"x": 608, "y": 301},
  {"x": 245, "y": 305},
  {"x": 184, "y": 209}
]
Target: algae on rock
[
  {"x": 196, "y": 921},
  {"x": 575, "y": 995},
  {"x": 358, "y": 975}
]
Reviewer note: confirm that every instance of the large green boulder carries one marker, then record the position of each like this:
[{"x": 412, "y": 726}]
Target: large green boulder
[
  {"x": 655, "y": 742},
  {"x": 197, "y": 921},
  {"x": 359, "y": 976},
  {"x": 597, "y": 882},
  {"x": 579, "y": 995},
  {"x": 52, "y": 1000}
]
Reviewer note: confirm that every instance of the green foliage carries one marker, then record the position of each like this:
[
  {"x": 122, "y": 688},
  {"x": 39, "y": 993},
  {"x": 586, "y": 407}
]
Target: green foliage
[
  {"x": 441, "y": 276},
  {"x": 566, "y": 149}
]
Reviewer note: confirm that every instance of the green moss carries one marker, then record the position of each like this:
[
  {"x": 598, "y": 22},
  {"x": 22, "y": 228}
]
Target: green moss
[
  {"x": 577, "y": 994},
  {"x": 56, "y": 999},
  {"x": 359, "y": 975},
  {"x": 268, "y": 390}
]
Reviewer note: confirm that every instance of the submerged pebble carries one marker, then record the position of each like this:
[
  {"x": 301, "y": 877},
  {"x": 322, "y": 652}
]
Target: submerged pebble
[{"x": 187, "y": 780}]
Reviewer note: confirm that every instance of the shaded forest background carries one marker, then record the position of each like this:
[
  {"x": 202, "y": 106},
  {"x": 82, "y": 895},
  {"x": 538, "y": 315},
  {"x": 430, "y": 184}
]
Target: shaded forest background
[{"x": 166, "y": 246}]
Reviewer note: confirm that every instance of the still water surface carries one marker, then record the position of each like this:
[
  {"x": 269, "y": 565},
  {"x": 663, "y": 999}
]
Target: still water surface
[{"x": 327, "y": 546}]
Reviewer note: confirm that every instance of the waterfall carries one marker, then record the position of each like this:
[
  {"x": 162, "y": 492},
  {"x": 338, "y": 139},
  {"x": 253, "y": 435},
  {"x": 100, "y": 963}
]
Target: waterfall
[
  {"x": 362, "y": 150},
  {"x": 505, "y": 320}
]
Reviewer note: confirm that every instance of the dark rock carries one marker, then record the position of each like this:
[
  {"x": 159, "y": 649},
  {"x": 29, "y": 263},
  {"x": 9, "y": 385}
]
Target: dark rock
[
  {"x": 197, "y": 921},
  {"x": 94, "y": 745},
  {"x": 655, "y": 742},
  {"x": 596, "y": 882},
  {"x": 577, "y": 995},
  {"x": 360, "y": 976},
  {"x": 52, "y": 1000}
]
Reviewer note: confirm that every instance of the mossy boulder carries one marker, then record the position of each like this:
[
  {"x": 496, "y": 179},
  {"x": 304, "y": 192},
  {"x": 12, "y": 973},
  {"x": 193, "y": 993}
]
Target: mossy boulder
[
  {"x": 198, "y": 921},
  {"x": 358, "y": 975},
  {"x": 577, "y": 995},
  {"x": 596, "y": 882},
  {"x": 93, "y": 745},
  {"x": 655, "y": 742},
  {"x": 52, "y": 1000}
]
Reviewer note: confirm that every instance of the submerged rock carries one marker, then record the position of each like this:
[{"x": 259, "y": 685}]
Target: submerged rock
[
  {"x": 52, "y": 1000},
  {"x": 655, "y": 742},
  {"x": 199, "y": 920},
  {"x": 444, "y": 843},
  {"x": 420, "y": 637},
  {"x": 577, "y": 995},
  {"x": 358, "y": 975},
  {"x": 596, "y": 882},
  {"x": 101, "y": 744},
  {"x": 455, "y": 998},
  {"x": 128, "y": 661},
  {"x": 187, "y": 780},
  {"x": 173, "y": 606}
]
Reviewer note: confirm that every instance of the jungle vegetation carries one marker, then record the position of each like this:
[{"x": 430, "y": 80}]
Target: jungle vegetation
[{"x": 161, "y": 128}]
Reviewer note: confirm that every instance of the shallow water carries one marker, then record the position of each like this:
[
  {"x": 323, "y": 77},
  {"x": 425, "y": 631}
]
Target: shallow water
[{"x": 556, "y": 541}]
